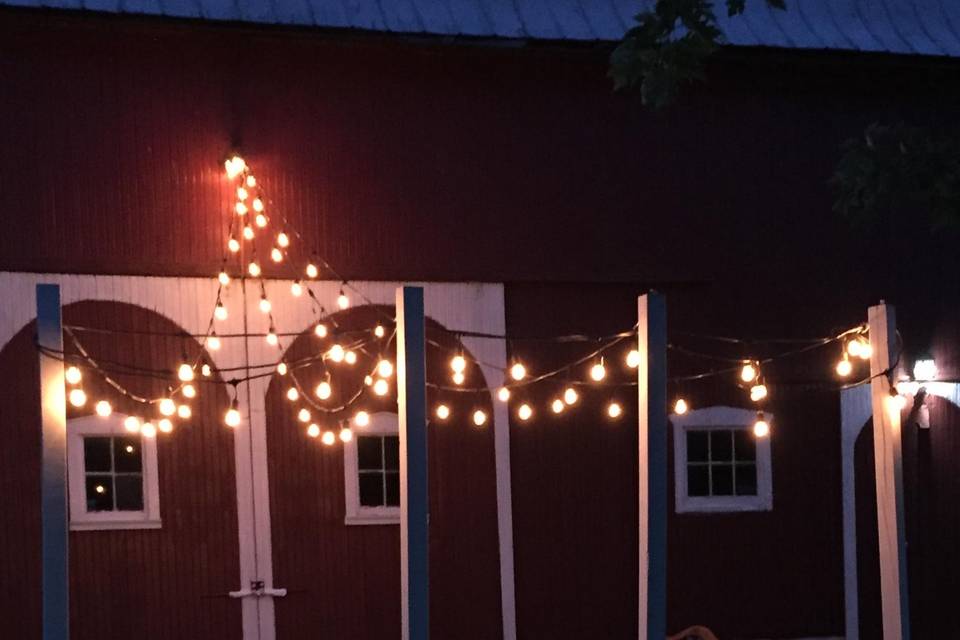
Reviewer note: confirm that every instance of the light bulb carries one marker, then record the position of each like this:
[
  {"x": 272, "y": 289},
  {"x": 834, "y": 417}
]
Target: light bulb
[
  {"x": 479, "y": 417},
  {"x": 248, "y": 232},
  {"x": 242, "y": 193},
  {"x": 220, "y": 312},
  {"x": 853, "y": 347},
  {"x": 680, "y": 407},
  {"x": 866, "y": 350},
  {"x": 313, "y": 430},
  {"x": 190, "y": 391},
  {"x": 213, "y": 342},
  {"x": 350, "y": 357},
  {"x": 342, "y": 300},
  {"x": 503, "y": 394},
  {"x": 167, "y": 407},
  {"x": 184, "y": 412},
  {"x": 598, "y": 372},
  {"x": 897, "y": 401},
  {"x": 232, "y": 417},
  {"x": 336, "y": 353},
  {"x": 761, "y": 428},
  {"x": 303, "y": 415},
  {"x": 148, "y": 430},
  {"x": 443, "y": 411},
  {"x": 458, "y": 363},
  {"x": 614, "y": 410},
  {"x": 185, "y": 372},
  {"x": 518, "y": 371},
  {"x": 234, "y": 166},
  {"x": 758, "y": 392},
  {"x": 73, "y": 375},
  {"x": 570, "y": 395},
  {"x": 131, "y": 424},
  {"x": 265, "y": 305},
  {"x": 296, "y": 288},
  {"x": 346, "y": 435},
  {"x": 844, "y": 367},
  {"x": 748, "y": 373},
  {"x": 323, "y": 390},
  {"x": 368, "y": 380},
  {"x": 257, "y": 205},
  {"x": 261, "y": 220},
  {"x": 103, "y": 409},
  {"x": 633, "y": 359},
  {"x": 282, "y": 368},
  {"x": 283, "y": 240},
  {"x": 233, "y": 244},
  {"x": 458, "y": 377},
  {"x": 272, "y": 338},
  {"x": 320, "y": 330},
  {"x": 165, "y": 425},
  {"x": 385, "y": 368},
  {"x": 251, "y": 181},
  {"x": 78, "y": 397},
  {"x": 328, "y": 438},
  {"x": 557, "y": 405},
  {"x": 240, "y": 208},
  {"x": 379, "y": 331},
  {"x": 525, "y": 412},
  {"x": 206, "y": 371},
  {"x": 380, "y": 387},
  {"x": 362, "y": 419},
  {"x": 253, "y": 269},
  {"x": 312, "y": 271},
  {"x": 276, "y": 255},
  {"x": 292, "y": 394}
]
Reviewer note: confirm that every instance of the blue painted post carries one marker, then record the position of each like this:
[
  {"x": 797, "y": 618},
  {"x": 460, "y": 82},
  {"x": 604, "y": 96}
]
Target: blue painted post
[
  {"x": 53, "y": 487},
  {"x": 414, "y": 505},
  {"x": 652, "y": 456}
]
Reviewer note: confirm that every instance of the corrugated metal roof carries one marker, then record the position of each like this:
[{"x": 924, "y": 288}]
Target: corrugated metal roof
[{"x": 926, "y": 27}]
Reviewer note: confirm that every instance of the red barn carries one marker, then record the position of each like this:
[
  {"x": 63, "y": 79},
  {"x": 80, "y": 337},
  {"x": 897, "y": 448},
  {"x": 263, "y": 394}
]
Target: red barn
[{"x": 475, "y": 146}]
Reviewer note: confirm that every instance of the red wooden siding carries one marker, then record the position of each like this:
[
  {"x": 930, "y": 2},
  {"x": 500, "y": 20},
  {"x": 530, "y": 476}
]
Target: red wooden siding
[
  {"x": 344, "y": 581},
  {"x": 151, "y": 584}
]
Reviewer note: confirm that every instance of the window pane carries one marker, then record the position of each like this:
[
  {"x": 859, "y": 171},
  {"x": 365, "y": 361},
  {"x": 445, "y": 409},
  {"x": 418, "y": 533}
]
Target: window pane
[
  {"x": 721, "y": 446},
  {"x": 722, "y": 479},
  {"x": 745, "y": 445},
  {"x": 698, "y": 480},
  {"x": 697, "y": 446},
  {"x": 99, "y": 493},
  {"x": 371, "y": 489},
  {"x": 393, "y": 489},
  {"x": 129, "y": 492},
  {"x": 391, "y": 452},
  {"x": 369, "y": 455},
  {"x": 126, "y": 455},
  {"x": 96, "y": 454},
  {"x": 746, "y": 479}
]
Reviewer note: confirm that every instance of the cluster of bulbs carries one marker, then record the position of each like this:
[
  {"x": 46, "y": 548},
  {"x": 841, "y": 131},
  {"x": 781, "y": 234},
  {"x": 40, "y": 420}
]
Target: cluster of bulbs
[{"x": 857, "y": 347}]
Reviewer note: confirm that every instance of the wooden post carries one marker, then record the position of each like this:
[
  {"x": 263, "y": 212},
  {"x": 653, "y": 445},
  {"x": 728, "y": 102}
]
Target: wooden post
[
  {"x": 652, "y": 459},
  {"x": 414, "y": 505},
  {"x": 889, "y": 476},
  {"x": 53, "y": 474}
]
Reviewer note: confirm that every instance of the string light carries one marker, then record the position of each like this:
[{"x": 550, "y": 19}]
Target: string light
[
  {"x": 570, "y": 396},
  {"x": 313, "y": 430},
  {"x": 206, "y": 371},
  {"x": 525, "y": 412},
  {"x": 131, "y": 424},
  {"x": 276, "y": 255},
  {"x": 380, "y": 387},
  {"x": 598, "y": 372},
  {"x": 443, "y": 411},
  {"x": 234, "y": 166},
  {"x": 844, "y": 366},
  {"x": 261, "y": 220},
  {"x": 233, "y": 244},
  {"x": 758, "y": 392},
  {"x": 361, "y": 419},
  {"x": 350, "y": 357},
  {"x": 78, "y": 397},
  {"x": 368, "y": 380},
  {"x": 148, "y": 430},
  {"x": 242, "y": 193},
  {"x": 385, "y": 368},
  {"x": 272, "y": 338},
  {"x": 614, "y": 410},
  {"x": 479, "y": 417},
  {"x": 680, "y": 407},
  {"x": 103, "y": 409},
  {"x": 223, "y": 278},
  {"x": 633, "y": 359},
  {"x": 557, "y": 405},
  {"x": 328, "y": 438},
  {"x": 282, "y": 368},
  {"x": 265, "y": 305},
  {"x": 346, "y": 434},
  {"x": 283, "y": 240},
  {"x": 213, "y": 342},
  {"x": 303, "y": 415},
  {"x": 518, "y": 372},
  {"x": 379, "y": 331},
  {"x": 336, "y": 353},
  {"x": 251, "y": 181},
  {"x": 323, "y": 390},
  {"x": 459, "y": 378},
  {"x": 292, "y": 394},
  {"x": 220, "y": 312},
  {"x": 342, "y": 300},
  {"x": 458, "y": 363},
  {"x": 165, "y": 425},
  {"x": 241, "y": 209},
  {"x": 296, "y": 288},
  {"x": 761, "y": 428},
  {"x": 312, "y": 271},
  {"x": 254, "y": 269},
  {"x": 749, "y": 372},
  {"x": 73, "y": 375},
  {"x": 248, "y": 233},
  {"x": 232, "y": 417},
  {"x": 257, "y": 205},
  {"x": 184, "y": 412},
  {"x": 167, "y": 407},
  {"x": 320, "y": 330},
  {"x": 503, "y": 394},
  {"x": 190, "y": 391},
  {"x": 185, "y": 373}
]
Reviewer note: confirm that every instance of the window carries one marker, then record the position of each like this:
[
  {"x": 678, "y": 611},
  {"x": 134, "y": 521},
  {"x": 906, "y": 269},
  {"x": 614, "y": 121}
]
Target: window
[
  {"x": 371, "y": 464},
  {"x": 719, "y": 465},
  {"x": 112, "y": 476}
]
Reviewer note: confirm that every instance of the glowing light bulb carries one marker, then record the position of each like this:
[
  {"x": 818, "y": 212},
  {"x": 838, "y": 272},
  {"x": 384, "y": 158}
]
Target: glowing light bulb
[
  {"x": 257, "y": 205},
  {"x": 866, "y": 350},
  {"x": 190, "y": 391},
  {"x": 368, "y": 380},
  {"x": 220, "y": 312},
  {"x": 234, "y": 166},
  {"x": 148, "y": 430},
  {"x": 379, "y": 331},
  {"x": 232, "y": 417},
  {"x": 525, "y": 412},
  {"x": 185, "y": 372},
  {"x": 213, "y": 342},
  {"x": 272, "y": 338},
  {"x": 292, "y": 394},
  {"x": 761, "y": 428},
  {"x": 557, "y": 405},
  {"x": 458, "y": 363},
  {"x": 282, "y": 368},
  {"x": 242, "y": 193},
  {"x": 100, "y": 489},
  {"x": 312, "y": 271},
  {"x": 479, "y": 417},
  {"x": 844, "y": 367},
  {"x": 459, "y": 378},
  {"x": 385, "y": 368},
  {"x": 680, "y": 407},
  {"x": 503, "y": 394},
  {"x": 853, "y": 347},
  {"x": 328, "y": 438},
  {"x": 265, "y": 305},
  {"x": 303, "y": 415},
  {"x": 614, "y": 410},
  {"x": 131, "y": 424},
  {"x": 897, "y": 401},
  {"x": 350, "y": 357},
  {"x": 165, "y": 425},
  {"x": 443, "y": 411},
  {"x": 103, "y": 409},
  {"x": 758, "y": 392},
  {"x": 925, "y": 369},
  {"x": 251, "y": 181},
  {"x": 570, "y": 395},
  {"x": 73, "y": 375},
  {"x": 206, "y": 371},
  {"x": 320, "y": 330},
  {"x": 336, "y": 353},
  {"x": 313, "y": 430},
  {"x": 167, "y": 407},
  {"x": 184, "y": 412},
  {"x": 78, "y": 397},
  {"x": 240, "y": 208},
  {"x": 748, "y": 373},
  {"x": 633, "y": 359},
  {"x": 276, "y": 255},
  {"x": 598, "y": 372},
  {"x": 283, "y": 240},
  {"x": 261, "y": 220},
  {"x": 233, "y": 244},
  {"x": 253, "y": 269},
  {"x": 362, "y": 419},
  {"x": 346, "y": 435},
  {"x": 518, "y": 371},
  {"x": 248, "y": 232},
  {"x": 342, "y": 300},
  {"x": 380, "y": 387},
  {"x": 296, "y": 288},
  {"x": 323, "y": 390}
]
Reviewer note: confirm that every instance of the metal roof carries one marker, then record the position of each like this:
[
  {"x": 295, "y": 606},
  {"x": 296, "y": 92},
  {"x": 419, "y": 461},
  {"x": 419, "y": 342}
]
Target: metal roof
[{"x": 925, "y": 27}]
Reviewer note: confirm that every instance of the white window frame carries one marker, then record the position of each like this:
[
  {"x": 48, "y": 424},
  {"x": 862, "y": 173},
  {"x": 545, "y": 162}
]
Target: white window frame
[
  {"x": 83, "y": 520},
  {"x": 381, "y": 424},
  {"x": 715, "y": 419}
]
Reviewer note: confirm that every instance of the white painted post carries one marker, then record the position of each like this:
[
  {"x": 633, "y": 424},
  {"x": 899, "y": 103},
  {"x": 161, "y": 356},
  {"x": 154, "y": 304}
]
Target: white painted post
[
  {"x": 414, "y": 499},
  {"x": 652, "y": 459},
  {"x": 55, "y": 587},
  {"x": 889, "y": 476},
  {"x": 855, "y": 410}
]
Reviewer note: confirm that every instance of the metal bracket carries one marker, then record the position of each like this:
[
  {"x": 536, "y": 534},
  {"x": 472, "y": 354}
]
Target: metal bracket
[{"x": 258, "y": 589}]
